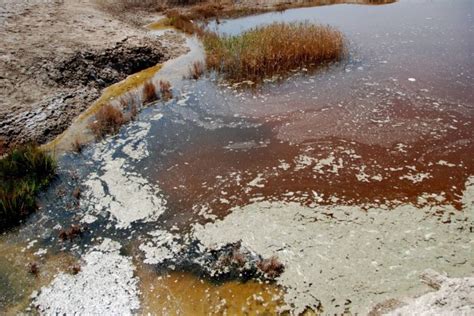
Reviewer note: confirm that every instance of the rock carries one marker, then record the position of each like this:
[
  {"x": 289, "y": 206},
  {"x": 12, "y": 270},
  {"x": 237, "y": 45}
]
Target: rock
[{"x": 455, "y": 296}]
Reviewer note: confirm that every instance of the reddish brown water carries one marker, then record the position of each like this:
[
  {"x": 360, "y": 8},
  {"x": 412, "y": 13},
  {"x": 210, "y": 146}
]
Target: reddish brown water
[{"x": 391, "y": 125}]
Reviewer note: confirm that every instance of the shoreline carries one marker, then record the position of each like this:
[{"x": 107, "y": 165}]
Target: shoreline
[{"x": 55, "y": 65}]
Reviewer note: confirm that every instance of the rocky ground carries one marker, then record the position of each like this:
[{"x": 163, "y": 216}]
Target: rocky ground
[{"x": 56, "y": 56}]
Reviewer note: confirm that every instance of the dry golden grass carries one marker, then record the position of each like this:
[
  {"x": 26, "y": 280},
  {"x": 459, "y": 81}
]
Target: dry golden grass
[
  {"x": 182, "y": 22},
  {"x": 206, "y": 11},
  {"x": 108, "y": 120},
  {"x": 273, "y": 50}
]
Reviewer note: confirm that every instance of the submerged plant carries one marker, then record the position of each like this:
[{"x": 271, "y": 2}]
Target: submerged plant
[
  {"x": 272, "y": 50},
  {"x": 23, "y": 173}
]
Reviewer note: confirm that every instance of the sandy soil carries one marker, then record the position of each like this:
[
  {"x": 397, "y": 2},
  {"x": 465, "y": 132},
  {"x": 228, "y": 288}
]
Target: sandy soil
[{"x": 37, "y": 37}]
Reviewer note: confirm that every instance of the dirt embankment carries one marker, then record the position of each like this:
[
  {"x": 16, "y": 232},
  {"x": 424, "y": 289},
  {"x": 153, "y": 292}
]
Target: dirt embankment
[{"x": 56, "y": 56}]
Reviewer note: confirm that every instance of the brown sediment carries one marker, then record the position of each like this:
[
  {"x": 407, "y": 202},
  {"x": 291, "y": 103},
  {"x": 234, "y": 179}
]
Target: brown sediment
[
  {"x": 185, "y": 294},
  {"x": 17, "y": 282}
]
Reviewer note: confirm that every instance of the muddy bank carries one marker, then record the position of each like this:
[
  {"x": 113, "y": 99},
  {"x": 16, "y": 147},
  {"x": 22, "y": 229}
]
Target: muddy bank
[{"x": 55, "y": 58}]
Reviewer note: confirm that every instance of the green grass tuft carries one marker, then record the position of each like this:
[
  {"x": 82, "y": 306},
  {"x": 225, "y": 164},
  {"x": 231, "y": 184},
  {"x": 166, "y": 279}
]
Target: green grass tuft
[{"x": 23, "y": 173}]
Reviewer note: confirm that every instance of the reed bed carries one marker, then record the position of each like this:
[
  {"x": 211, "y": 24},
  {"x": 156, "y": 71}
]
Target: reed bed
[{"x": 272, "y": 50}]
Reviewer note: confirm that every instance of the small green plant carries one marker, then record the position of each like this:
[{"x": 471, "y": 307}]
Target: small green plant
[{"x": 23, "y": 172}]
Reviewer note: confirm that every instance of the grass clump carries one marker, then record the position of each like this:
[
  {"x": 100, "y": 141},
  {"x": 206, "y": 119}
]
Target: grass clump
[
  {"x": 23, "y": 173},
  {"x": 108, "y": 120},
  {"x": 196, "y": 70},
  {"x": 271, "y": 50},
  {"x": 149, "y": 92},
  {"x": 165, "y": 90}
]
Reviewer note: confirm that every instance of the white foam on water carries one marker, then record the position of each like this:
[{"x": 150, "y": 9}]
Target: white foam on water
[
  {"x": 339, "y": 254},
  {"x": 104, "y": 286},
  {"x": 127, "y": 196}
]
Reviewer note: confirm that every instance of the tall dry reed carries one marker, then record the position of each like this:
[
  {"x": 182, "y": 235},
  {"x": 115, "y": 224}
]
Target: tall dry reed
[{"x": 273, "y": 49}]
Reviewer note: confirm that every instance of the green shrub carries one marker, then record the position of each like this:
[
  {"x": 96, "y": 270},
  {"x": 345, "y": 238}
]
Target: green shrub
[{"x": 23, "y": 173}]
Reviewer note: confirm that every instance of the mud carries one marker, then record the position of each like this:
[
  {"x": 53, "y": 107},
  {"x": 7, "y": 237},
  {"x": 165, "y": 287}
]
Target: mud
[
  {"x": 55, "y": 58},
  {"x": 108, "y": 66}
]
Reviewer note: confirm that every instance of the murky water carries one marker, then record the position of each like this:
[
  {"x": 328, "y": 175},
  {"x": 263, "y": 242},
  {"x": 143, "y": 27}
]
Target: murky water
[{"x": 389, "y": 127}]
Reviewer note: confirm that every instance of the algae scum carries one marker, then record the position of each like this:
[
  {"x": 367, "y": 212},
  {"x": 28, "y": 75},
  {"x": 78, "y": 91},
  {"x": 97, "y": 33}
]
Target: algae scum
[{"x": 357, "y": 178}]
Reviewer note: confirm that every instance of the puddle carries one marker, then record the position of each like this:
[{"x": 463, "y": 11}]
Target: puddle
[
  {"x": 184, "y": 294},
  {"x": 337, "y": 162}
]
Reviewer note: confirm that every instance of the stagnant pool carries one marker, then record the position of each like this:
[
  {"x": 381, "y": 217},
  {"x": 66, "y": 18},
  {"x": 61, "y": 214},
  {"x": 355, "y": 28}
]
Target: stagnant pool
[{"x": 357, "y": 177}]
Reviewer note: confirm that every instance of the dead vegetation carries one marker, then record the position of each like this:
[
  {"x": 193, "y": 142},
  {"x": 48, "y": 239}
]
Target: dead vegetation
[
  {"x": 73, "y": 232},
  {"x": 271, "y": 268},
  {"x": 149, "y": 92},
  {"x": 75, "y": 269},
  {"x": 76, "y": 193},
  {"x": 205, "y": 11},
  {"x": 108, "y": 120},
  {"x": 33, "y": 268},
  {"x": 77, "y": 145},
  {"x": 197, "y": 70},
  {"x": 120, "y": 6},
  {"x": 182, "y": 22},
  {"x": 130, "y": 104},
  {"x": 272, "y": 50},
  {"x": 165, "y": 90}
]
